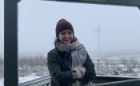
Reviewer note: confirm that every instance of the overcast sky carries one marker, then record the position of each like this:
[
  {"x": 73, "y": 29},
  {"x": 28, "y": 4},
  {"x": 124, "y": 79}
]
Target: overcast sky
[{"x": 120, "y": 28}]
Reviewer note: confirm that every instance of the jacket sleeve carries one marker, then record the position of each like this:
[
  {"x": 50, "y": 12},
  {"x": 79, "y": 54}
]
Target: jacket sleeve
[
  {"x": 60, "y": 78},
  {"x": 90, "y": 71}
]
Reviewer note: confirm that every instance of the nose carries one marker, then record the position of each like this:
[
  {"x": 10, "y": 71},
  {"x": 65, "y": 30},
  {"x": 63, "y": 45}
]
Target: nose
[{"x": 67, "y": 35}]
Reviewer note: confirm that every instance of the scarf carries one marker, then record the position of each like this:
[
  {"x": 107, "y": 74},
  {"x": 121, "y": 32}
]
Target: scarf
[{"x": 78, "y": 52}]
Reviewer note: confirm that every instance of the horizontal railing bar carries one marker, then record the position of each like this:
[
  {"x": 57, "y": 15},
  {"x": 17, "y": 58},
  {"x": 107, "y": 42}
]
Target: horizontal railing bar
[
  {"x": 37, "y": 82},
  {"x": 134, "y": 82},
  {"x": 124, "y": 81},
  {"x": 104, "y": 2},
  {"x": 115, "y": 77}
]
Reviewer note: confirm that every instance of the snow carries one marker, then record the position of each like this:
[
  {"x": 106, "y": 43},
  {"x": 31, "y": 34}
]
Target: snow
[
  {"x": 1, "y": 82},
  {"x": 28, "y": 78},
  {"x": 33, "y": 76},
  {"x": 23, "y": 79},
  {"x": 139, "y": 74},
  {"x": 103, "y": 59},
  {"x": 114, "y": 57}
]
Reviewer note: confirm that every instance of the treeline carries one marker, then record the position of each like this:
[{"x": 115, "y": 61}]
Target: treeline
[
  {"x": 28, "y": 65},
  {"x": 35, "y": 64},
  {"x": 125, "y": 66},
  {"x": 38, "y": 65}
]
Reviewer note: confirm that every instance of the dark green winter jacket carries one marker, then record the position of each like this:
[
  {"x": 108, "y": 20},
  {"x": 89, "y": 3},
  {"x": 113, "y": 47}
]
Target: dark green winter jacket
[{"x": 60, "y": 71}]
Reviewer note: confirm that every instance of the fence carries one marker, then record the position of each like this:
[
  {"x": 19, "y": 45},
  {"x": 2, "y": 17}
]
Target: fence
[{"x": 98, "y": 81}]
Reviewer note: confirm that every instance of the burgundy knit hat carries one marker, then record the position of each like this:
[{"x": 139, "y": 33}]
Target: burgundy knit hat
[{"x": 63, "y": 24}]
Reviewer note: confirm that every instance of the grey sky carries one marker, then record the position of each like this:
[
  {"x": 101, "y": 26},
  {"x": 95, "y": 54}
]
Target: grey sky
[
  {"x": 37, "y": 20},
  {"x": 1, "y": 27}
]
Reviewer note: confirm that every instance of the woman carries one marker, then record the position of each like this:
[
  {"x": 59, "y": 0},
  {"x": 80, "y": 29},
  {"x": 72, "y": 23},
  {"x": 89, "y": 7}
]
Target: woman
[{"x": 69, "y": 63}]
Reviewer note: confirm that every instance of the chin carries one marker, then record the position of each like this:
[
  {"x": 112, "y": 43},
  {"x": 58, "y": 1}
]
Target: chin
[{"x": 66, "y": 43}]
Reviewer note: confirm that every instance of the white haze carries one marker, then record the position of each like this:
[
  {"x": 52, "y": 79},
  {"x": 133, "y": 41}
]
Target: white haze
[{"x": 37, "y": 19}]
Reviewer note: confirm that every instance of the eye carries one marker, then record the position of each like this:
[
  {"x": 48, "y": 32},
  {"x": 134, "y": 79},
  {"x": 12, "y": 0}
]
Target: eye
[
  {"x": 70, "y": 33},
  {"x": 63, "y": 33}
]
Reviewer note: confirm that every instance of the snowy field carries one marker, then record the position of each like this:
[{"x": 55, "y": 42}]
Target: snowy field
[
  {"x": 127, "y": 65},
  {"x": 107, "y": 65},
  {"x": 23, "y": 79},
  {"x": 30, "y": 77},
  {"x": 1, "y": 82}
]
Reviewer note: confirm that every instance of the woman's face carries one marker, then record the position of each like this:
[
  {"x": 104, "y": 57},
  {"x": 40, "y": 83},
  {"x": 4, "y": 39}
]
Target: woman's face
[{"x": 66, "y": 36}]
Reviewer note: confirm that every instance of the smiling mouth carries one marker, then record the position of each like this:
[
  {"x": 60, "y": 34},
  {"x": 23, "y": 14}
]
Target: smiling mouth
[{"x": 66, "y": 40}]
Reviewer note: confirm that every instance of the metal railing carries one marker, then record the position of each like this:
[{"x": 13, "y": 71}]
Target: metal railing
[
  {"x": 98, "y": 81},
  {"x": 135, "y": 82},
  {"x": 37, "y": 82}
]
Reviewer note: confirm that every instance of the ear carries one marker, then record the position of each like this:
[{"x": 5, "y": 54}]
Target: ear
[{"x": 57, "y": 38}]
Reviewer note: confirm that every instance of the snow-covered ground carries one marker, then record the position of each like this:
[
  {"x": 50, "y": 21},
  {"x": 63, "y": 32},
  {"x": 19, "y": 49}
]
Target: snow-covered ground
[
  {"x": 28, "y": 78},
  {"x": 33, "y": 76},
  {"x": 1, "y": 82},
  {"x": 23, "y": 79},
  {"x": 109, "y": 64},
  {"x": 114, "y": 57}
]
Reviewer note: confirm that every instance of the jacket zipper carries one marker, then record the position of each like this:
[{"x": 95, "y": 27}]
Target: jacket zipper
[{"x": 70, "y": 60}]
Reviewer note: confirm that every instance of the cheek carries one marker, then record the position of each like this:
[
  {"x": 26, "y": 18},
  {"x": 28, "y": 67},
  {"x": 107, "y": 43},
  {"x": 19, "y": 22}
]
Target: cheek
[
  {"x": 72, "y": 36},
  {"x": 60, "y": 37}
]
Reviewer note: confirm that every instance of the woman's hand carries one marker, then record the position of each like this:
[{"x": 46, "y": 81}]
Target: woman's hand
[{"x": 84, "y": 69}]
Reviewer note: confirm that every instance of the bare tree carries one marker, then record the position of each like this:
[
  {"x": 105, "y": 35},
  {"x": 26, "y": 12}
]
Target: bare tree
[
  {"x": 35, "y": 64},
  {"x": 133, "y": 61},
  {"x": 124, "y": 60},
  {"x": 114, "y": 70},
  {"x": 107, "y": 66}
]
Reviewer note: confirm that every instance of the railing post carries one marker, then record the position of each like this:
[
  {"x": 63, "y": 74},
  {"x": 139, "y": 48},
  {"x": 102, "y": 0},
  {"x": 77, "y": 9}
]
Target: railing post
[{"x": 10, "y": 43}]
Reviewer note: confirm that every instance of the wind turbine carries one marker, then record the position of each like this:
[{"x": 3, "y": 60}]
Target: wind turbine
[{"x": 98, "y": 37}]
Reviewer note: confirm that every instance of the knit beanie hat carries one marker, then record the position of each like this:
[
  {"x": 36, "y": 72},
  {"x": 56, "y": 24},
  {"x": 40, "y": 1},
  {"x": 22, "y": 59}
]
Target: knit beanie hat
[{"x": 63, "y": 25}]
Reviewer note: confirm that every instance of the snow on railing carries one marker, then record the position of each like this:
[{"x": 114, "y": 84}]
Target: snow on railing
[
  {"x": 37, "y": 82},
  {"x": 99, "y": 81}
]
